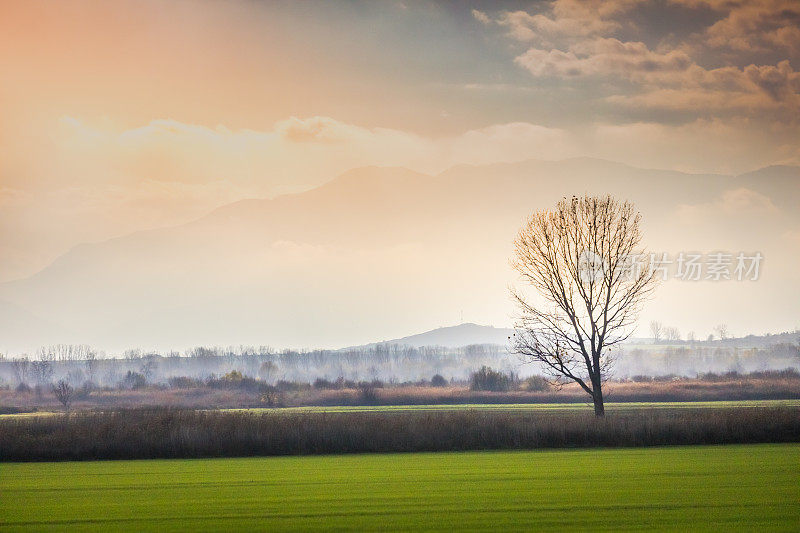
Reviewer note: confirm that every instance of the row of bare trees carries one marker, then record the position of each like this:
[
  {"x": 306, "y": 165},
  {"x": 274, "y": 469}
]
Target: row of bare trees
[
  {"x": 41, "y": 370},
  {"x": 661, "y": 333}
]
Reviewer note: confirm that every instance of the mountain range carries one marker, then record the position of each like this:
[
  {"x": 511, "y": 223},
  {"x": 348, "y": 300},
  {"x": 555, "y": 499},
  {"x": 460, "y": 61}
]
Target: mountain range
[{"x": 382, "y": 250}]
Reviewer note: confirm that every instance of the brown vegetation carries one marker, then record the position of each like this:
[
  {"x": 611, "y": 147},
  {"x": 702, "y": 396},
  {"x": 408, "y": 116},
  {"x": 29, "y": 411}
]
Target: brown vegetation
[
  {"x": 246, "y": 392},
  {"x": 183, "y": 433}
]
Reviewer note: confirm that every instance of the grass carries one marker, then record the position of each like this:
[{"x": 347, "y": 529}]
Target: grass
[
  {"x": 723, "y": 488},
  {"x": 610, "y": 406}
]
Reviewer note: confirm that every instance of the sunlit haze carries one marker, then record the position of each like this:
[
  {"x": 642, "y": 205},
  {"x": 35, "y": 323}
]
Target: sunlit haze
[{"x": 325, "y": 174}]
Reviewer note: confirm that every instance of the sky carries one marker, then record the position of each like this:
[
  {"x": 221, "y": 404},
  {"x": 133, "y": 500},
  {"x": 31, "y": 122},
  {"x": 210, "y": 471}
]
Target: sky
[{"x": 121, "y": 116}]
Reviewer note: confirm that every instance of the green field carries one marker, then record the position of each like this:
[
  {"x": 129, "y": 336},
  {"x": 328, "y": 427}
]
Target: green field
[
  {"x": 752, "y": 487},
  {"x": 610, "y": 406}
]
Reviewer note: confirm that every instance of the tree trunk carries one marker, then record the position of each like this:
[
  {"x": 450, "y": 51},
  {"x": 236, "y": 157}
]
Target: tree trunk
[{"x": 599, "y": 408}]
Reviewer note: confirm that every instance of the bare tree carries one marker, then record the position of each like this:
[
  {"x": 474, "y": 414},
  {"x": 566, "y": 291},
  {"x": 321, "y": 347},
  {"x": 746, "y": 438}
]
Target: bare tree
[
  {"x": 42, "y": 371},
  {"x": 21, "y": 367},
  {"x": 91, "y": 365},
  {"x": 672, "y": 333},
  {"x": 267, "y": 369},
  {"x": 63, "y": 393},
  {"x": 722, "y": 332},
  {"x": 149, "y": 367},
  {"x": 66, "y": 352},
  {"x": 583, "y": 259},
  {"x": 134, "y": 353},
  {"x": 657, "y": 331}
]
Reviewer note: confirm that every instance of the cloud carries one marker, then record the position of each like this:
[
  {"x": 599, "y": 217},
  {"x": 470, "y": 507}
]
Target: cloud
[
  {"x": 604, "y": 57},
  {"x": 565, "y": 21},
  {"x": 737, "y": 201},
  {"x": 481, "y": 17},
  {"x": 780, "y": 82},
  {"x": 516, "y": 141},
  {"x": 754, "y": 26},
  {"x": 316, "y": 129},
  {"x": 734, "y": 214},
  {"x": 544, "y": 30},
  {"x": 572, "y": 40}
]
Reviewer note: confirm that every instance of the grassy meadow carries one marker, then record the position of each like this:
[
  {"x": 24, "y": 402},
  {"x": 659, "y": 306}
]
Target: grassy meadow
[
  {"x": 496, "y": 407},
  {"x": 723, "y": 488},
  {"x": 610, "y": 406}
]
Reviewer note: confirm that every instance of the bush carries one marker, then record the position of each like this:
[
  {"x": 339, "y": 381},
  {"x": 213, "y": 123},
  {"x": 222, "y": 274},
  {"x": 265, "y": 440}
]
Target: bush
[
  {"x": 183, "y": 382},
  {"x": 85, "y": 390},
  {"x": 438, "y": 381},
  {"x": 23, "y": 387},
  {"x": 234, "y": 376},
  {"x": 235, "y": 380},
  {"x": 727, "y": 376},
  {"x": 536, "y": 384},
  {"x": 271, "y": 397},
  {"x": 666, "y": 378},
  {"x": 63, "y": 392},
  {"x": 339, "y": 384},
  {"x": 133, "y": 381},
  {"x": 289, "y": 386},
  {"x": 367, "y": 393},
  {"x": 487, "y": 379},
  {"x": 786, "y": 373},
  {"x": 324, "y": 384}
]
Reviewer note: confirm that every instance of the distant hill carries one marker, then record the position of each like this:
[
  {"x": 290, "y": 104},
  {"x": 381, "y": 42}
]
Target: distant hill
[
  {"x": 469, "y": 333},
  {"x": 453, "y": 337},
  {"x": 760, "y": 341}
]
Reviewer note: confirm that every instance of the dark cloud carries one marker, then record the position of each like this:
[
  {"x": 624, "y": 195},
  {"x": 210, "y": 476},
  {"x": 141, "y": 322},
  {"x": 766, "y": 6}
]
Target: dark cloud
[{"x": 709, "y": 69}]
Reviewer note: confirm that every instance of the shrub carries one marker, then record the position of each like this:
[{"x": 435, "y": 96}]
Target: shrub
[
  {"x": 786, "y": 373},
  {"x": 235, "y": 380},
  {"x": 487, "y": 379},
  {"x": 85, "y": 390},
  {"x": 367, "y": 393},
  {"x": 321, "y": 383},
  {"x": 289, "y": 386},
  {"x": 183, "y": 382},
  {"x": 665, "y": 378},
  {"x": 133, "y": 381},
  {"x": 339, "y": 384},
  {"x": 63, "y": 393},
  {"x": 536, "y": 384},
  {"x": 438, "y": 381},
  {"x": 727, "y": 376},
  {"x": 234, "y": 376},
  {"x": 270, "y": 396}
]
